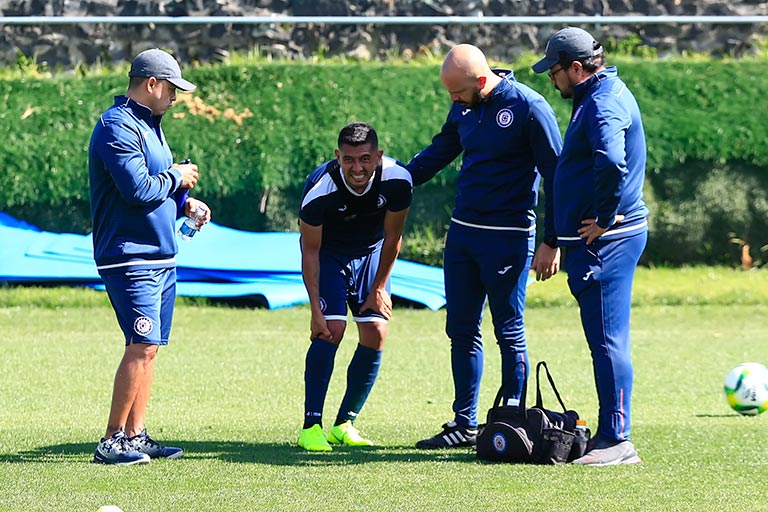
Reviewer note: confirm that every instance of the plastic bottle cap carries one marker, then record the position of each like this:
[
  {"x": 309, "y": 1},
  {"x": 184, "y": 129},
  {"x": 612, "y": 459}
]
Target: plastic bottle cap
[{"x": 581, "y": 423}]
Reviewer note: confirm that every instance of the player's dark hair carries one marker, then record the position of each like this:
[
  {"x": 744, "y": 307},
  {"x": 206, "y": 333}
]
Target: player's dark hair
[
  {"x": 136, "y": 81},
  {"x": 592, "y": 64},
  {"x": 358, "y": 133}
]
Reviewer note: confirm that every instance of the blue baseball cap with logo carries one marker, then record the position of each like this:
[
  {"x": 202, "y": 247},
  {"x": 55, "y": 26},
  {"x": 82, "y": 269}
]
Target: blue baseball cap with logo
[
  {"x": 161, "y": 65},
  {"x": 567, "y": 45}
]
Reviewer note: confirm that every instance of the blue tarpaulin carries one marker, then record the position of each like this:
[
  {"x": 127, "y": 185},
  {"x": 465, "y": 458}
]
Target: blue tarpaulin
[{"x": 218, "y": 262}]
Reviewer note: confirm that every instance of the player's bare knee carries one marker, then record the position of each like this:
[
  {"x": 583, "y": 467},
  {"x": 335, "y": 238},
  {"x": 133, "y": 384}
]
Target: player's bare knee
[
  {"x": 372, "y": 334},
  {"x": 145, "y": 351},
  {"x": 337, "y": 329}
]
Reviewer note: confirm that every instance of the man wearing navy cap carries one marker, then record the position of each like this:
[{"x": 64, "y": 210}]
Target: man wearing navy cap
[
  {"x": 137, "y": 193},
  {"x": 601, "y": 222}
]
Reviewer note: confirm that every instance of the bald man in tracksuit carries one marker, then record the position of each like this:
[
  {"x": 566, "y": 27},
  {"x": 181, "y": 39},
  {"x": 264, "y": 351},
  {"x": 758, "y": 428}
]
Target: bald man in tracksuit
[
  {"x": 601, "y": 220},
  {"x": 508, "y": 137}
]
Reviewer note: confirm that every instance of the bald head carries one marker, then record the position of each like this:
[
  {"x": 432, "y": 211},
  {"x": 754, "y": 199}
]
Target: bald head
[
  {"x": 466, "y": 75},
  {"x": 465, "y": 60}
]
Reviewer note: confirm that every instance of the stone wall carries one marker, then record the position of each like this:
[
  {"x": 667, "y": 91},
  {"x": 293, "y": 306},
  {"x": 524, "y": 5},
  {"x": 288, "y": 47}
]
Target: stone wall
[{"x": 65, "y": 46}]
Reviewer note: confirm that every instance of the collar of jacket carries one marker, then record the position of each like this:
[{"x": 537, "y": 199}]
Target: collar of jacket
[
  {"x": 507, "y": 77},
  {"x": 139, "y": 110},
  {"x": 580, "y": 90}
]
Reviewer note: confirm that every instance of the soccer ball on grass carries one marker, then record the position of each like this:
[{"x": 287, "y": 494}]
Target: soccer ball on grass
[{"x": 746, "y": 388}]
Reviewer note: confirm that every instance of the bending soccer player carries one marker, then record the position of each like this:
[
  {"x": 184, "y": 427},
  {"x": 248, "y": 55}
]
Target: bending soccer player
[{"x": 352, "y": 216}]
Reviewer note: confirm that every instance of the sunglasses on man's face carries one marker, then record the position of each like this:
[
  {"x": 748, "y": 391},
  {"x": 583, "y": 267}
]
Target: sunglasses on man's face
[{"x": 553, "y": 72}]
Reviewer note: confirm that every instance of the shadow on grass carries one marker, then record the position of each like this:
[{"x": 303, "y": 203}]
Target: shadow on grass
[
  {"x": 266, "y": 453},
  {"x": 726, "y": 415}
]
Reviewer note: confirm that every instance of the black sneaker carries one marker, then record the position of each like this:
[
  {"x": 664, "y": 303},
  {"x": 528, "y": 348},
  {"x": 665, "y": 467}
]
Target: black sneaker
[
  {"x": 452, "y": 436},
  {"x": 142, "y": 443}
]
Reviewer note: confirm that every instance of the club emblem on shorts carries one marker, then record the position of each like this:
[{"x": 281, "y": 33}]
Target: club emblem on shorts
[
  {"x": 381, "y": 202},
  {"x": 499, "y": 442},
  {"x": 505, "y": 117},
  {"x": 323, "y": 305},
  {"x": 143, "y": 326}
]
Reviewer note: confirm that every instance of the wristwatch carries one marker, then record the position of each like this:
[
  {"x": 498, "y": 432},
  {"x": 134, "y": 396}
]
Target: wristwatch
[{"x": 551, "y": 241}]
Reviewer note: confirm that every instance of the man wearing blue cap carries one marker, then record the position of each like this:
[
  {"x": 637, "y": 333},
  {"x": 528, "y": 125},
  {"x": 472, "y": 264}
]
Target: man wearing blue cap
[
  {"x": 137, "y": 193},
  {"x": 601, "y": 221}
]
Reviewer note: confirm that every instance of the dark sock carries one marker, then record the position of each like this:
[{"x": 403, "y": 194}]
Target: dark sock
[
  {"x": 317, "y": 374},
  {"x": 361, "y": 375}
]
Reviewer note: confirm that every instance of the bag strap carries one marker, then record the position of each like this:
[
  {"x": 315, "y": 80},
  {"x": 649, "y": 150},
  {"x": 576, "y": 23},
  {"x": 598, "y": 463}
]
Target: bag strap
[
  {"x": 539, "y": 402},
  {"x": 524, "y": 392}
]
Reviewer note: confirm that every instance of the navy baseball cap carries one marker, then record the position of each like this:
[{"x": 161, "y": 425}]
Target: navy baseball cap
[
  {"x": 568, "y": 44},
  {"x": 161, "y": 65}
]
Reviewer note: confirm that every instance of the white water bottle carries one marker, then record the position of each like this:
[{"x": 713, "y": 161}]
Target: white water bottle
[{"x": 188, "y": 228}]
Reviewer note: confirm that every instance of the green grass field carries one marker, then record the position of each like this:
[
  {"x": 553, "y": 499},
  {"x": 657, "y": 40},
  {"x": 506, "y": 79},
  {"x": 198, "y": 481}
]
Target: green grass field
[{"x": 229, "y": 390}]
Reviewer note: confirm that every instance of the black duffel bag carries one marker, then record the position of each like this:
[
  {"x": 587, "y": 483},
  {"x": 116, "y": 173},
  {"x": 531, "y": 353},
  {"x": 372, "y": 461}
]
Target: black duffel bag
[{"x": 531, "y": 435}]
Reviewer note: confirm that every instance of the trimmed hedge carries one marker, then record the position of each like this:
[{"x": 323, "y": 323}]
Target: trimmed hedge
[{"x": 256, "y": 131}]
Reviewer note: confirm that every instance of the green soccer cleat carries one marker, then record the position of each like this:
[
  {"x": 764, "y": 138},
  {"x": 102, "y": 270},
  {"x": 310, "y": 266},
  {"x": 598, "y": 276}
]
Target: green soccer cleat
[
  {"x": 313, "y": 439},
  {"x": 348, "y": 435}
]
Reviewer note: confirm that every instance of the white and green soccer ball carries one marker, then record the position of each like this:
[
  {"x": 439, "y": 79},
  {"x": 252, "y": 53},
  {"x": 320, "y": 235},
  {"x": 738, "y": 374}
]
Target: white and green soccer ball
[{"x": 746, "y": 388}]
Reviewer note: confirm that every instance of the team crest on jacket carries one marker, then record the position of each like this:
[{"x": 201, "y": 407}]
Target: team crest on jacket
[
  {"x": 142, "y": 326},
  {"x": 381, "y": 202},
  {"x": 504, "y": 117}
]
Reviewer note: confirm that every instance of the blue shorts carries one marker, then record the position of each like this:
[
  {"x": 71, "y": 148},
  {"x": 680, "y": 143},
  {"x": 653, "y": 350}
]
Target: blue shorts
[
  {"x": 346, "y": 281},
  {"x": 143, "y": 301}
]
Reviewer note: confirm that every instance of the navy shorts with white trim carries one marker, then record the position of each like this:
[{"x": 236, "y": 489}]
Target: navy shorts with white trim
[
  {"x": 347, "y": 281},
  {"x": 143, "y": 301}
]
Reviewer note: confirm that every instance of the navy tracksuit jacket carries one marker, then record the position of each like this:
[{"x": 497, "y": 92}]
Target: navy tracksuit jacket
[
  {"x": 600, "y": 174},
  {"x": 135, "y": 194}
]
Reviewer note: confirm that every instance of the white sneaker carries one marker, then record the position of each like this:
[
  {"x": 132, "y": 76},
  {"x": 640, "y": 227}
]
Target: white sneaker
[{"x": 610, "y": 453}]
